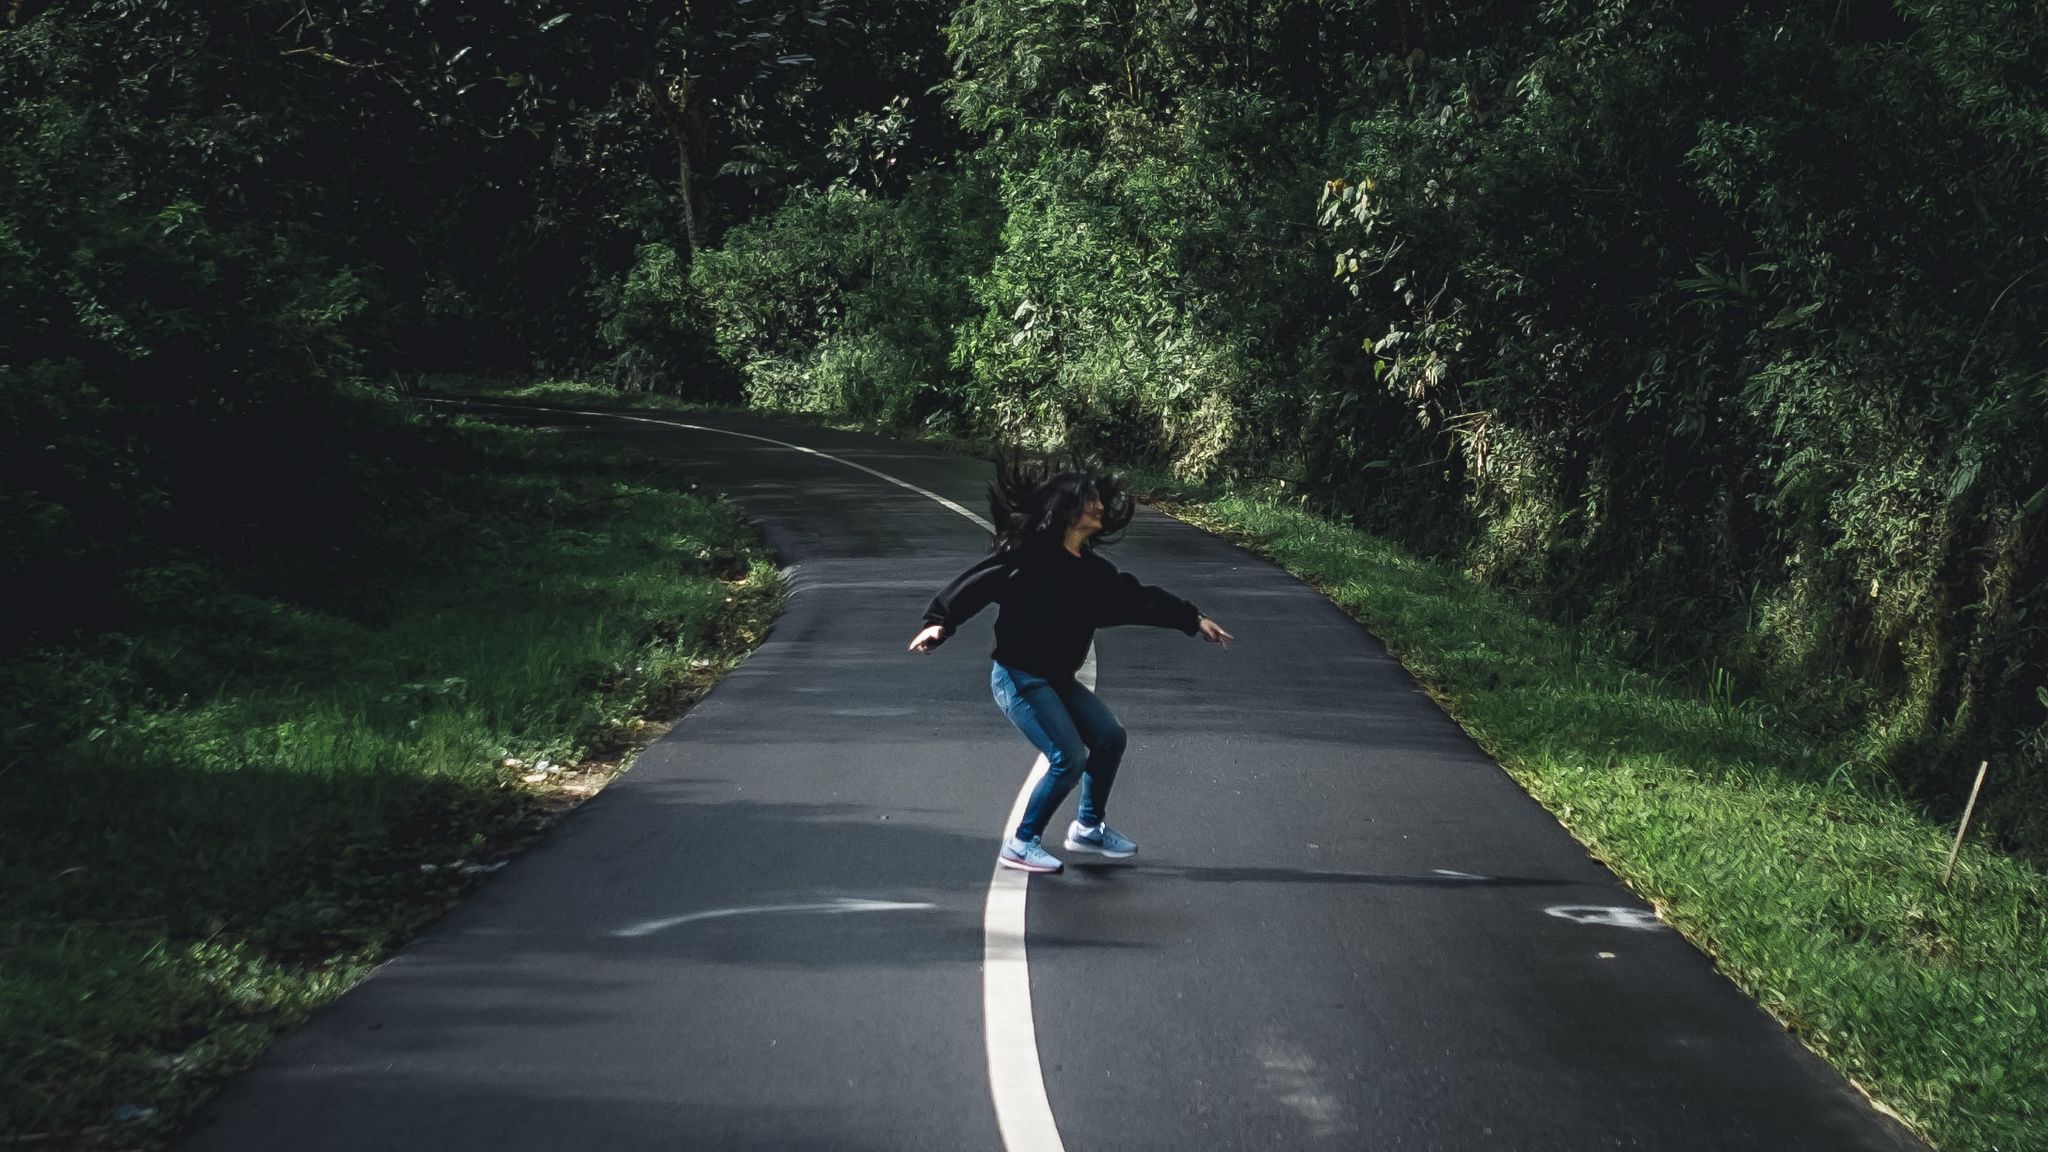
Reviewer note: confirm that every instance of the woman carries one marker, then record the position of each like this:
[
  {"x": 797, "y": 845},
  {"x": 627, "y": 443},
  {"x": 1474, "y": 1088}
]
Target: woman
[{"x": 1055, "y": 591}]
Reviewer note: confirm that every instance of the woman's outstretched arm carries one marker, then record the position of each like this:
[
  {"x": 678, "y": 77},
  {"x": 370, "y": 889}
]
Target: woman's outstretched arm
[
  {"x": 1131, "y": 601},
  {"x": 957, "y": 602}
]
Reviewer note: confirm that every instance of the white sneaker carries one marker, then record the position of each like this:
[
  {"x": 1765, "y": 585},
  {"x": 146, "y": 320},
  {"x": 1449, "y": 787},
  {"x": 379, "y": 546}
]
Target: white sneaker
[
  {"x": 1101, "y": 840},
  {"x": 1027, "y": 856}
]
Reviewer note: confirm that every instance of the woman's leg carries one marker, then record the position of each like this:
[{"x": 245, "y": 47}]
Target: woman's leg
[
  {"x": 1035, "y": 707},
  {"x": 1105, "y": 738}
]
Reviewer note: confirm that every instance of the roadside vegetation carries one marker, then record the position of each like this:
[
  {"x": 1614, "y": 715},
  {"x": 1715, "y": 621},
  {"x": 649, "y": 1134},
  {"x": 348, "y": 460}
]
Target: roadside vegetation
[{"x": 218, "y": 816}]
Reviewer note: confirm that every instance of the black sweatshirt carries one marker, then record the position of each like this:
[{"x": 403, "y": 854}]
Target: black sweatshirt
[{"x": 1052, "y": 603}]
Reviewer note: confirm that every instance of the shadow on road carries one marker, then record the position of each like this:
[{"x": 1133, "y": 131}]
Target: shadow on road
[{"x": 1098, "y": 872}]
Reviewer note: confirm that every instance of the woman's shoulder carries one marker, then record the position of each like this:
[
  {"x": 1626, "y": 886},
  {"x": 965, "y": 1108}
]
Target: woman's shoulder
[
  {"x": 993, "y": 561},
  {"x": 1094, "y": 558}
]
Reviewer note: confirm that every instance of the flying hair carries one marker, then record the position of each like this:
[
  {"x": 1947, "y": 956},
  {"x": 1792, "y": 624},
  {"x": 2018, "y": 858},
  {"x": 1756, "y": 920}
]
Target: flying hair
[{"x": 1033, "y": 500}]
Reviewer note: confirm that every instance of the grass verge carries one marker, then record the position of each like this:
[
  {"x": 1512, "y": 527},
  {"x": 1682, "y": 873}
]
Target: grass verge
[
  {"x": 1821, "y": 901},
  {"x": 214, "y": 823}
]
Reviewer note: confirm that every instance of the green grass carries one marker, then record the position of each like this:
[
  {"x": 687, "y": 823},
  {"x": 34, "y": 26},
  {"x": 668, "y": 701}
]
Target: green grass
[
  {"x": 215, "y": 823},
  {"x": 1821, "y": 901}
]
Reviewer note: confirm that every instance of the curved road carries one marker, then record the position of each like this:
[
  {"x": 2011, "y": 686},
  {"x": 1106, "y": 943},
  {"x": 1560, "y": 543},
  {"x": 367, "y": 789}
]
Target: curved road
[{"x": 1347, "y": 928}]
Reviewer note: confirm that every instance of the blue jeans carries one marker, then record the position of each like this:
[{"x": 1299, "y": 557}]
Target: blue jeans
[{"x": 1079, "y": 735}]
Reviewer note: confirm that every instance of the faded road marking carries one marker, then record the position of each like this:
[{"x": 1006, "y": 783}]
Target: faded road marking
[
  {"x": 828, "y": 908},
  {"x": 1608, "y": 916},
  {"x": 1290, "y": 1074}
]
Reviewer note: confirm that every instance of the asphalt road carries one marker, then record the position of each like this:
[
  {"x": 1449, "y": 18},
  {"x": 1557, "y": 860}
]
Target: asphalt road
[{"x": 1343, "y": 930}]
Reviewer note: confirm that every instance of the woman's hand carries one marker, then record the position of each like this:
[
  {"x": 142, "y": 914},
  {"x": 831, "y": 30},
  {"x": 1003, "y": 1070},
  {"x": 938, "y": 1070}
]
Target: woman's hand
[
  {"x": 930, "y": 638},
  {"x": 1214, "y": 633}
]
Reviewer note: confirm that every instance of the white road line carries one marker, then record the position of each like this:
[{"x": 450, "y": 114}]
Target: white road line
[
  {"x": 1016, "y": 1080},
  {"x": 830, "y": 908},
  {"x": 1015, "y": 1077},
  {"x": 925, "y": 492}
]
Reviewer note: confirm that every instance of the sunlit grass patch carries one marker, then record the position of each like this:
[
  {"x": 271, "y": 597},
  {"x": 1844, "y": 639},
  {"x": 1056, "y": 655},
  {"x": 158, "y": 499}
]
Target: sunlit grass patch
[
  {"x": 1822, "y": 900},
  {"x": 556, "y": 391}
]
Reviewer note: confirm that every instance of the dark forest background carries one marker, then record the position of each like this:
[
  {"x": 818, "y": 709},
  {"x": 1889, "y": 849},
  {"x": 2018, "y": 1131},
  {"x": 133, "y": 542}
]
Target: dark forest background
[{"x": 1713, "y": 329}]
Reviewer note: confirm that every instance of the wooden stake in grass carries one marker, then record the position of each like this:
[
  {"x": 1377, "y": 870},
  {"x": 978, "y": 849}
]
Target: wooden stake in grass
[{"x": 1965, "y": 826}]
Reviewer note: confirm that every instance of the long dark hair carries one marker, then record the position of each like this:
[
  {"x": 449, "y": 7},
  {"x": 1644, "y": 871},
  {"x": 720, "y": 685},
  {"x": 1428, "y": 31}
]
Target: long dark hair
[{"x": 1034, "y": 501}]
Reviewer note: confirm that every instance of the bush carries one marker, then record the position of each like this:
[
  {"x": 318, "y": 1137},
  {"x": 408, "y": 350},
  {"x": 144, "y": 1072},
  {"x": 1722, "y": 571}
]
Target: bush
[{"x": 847, "y": 302}]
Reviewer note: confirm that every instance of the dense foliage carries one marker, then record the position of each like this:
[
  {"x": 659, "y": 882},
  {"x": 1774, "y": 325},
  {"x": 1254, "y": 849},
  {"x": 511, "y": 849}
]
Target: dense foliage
[
  {"x": 1712, "y": 325},
  {"x": 228, "y": 231}
]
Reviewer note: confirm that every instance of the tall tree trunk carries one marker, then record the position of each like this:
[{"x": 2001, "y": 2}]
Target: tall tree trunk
[
  {"x": 689, "y": 194},
  {"x": 680, "y": 115}
]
